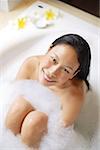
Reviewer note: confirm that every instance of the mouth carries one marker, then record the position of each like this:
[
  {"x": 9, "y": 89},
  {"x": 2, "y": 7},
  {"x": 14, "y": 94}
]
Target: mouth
[{"x": 46, "y": 77}]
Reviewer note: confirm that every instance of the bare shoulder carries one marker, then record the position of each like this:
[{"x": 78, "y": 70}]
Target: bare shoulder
[
  {"x": 30, "y": 60},
  {"x": 28, "y": 67},
  {"x": 76, "y": 91}
]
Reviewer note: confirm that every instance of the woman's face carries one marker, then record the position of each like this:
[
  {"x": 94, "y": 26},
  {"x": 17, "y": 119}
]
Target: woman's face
[{"x": 58, "y": 65}]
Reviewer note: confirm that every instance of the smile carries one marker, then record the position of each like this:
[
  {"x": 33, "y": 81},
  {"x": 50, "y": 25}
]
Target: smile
[{"x": 46, "y": 77}]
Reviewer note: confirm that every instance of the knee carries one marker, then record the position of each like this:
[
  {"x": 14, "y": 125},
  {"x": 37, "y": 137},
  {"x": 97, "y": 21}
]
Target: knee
[
  {"x": 17, "y": 112},
  {"x": 33, "y": 128}
]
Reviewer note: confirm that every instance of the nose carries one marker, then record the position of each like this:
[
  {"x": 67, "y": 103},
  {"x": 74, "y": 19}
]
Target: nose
[{"x": 53, "y": 71}]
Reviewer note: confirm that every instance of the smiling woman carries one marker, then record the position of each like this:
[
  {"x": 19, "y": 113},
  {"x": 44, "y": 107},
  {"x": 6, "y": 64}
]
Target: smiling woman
[
  {"x": 63, "y": 70},
  {"x": 59, "y": 64}
]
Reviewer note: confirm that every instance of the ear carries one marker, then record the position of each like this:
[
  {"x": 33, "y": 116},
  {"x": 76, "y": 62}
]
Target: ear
[
  {"x": 48, "y": 50},
  {"x": 49, "y": 47}
]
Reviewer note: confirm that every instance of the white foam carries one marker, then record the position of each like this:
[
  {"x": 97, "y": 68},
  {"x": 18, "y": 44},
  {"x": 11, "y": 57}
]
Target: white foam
[{"x": 57, "y": 138}]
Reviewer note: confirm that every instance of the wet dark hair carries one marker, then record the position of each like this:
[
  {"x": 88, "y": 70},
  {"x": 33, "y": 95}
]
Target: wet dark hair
[{"x": 83, "y": 52}]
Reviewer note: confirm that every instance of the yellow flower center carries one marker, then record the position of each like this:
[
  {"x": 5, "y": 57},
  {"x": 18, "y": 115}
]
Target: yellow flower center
[
  {"x": 49, "y": 14},
  {"x": 21, "y": 23}
]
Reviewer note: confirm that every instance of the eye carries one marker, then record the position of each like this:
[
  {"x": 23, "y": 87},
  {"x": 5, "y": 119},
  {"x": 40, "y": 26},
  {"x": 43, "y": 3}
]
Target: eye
[
  {"x": 66, "y": 70},
  {"x": 54, "y": 60}
]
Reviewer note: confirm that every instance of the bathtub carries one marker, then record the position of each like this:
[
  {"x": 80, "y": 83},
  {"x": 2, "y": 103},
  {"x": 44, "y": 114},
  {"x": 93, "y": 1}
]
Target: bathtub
[{"x": 16, "y": 46}]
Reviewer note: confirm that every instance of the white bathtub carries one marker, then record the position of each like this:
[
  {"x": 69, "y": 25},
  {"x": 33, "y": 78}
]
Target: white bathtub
[
  {"x": 12, "y": 60},
  {"x": 14, "y": 51}
]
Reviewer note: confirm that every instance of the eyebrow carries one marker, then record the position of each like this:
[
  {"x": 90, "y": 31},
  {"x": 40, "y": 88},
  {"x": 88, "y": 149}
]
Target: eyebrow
[
  {"x": 64, "y": 65},
  {"x": 69, "y": 67}
]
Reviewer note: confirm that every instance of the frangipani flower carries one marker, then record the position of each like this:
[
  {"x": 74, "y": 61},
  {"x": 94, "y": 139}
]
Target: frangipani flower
[
  {"x": 39, "y": 19},
  {"x": 49, "y": 14},
  {"x": 21, "y": 23},
  {"x": 45, "y": 19}
]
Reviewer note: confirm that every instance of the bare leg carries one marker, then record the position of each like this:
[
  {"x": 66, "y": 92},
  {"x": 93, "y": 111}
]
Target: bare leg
[
  {"x": 16, "y": 114},
  {"x": 33, "y": 128}
]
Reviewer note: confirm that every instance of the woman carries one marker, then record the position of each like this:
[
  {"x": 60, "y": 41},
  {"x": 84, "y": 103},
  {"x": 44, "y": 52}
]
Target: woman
[{"x": 64, "y": 70}]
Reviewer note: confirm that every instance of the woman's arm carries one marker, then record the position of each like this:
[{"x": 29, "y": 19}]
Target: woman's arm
[{"x": 72, "y": 103}]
